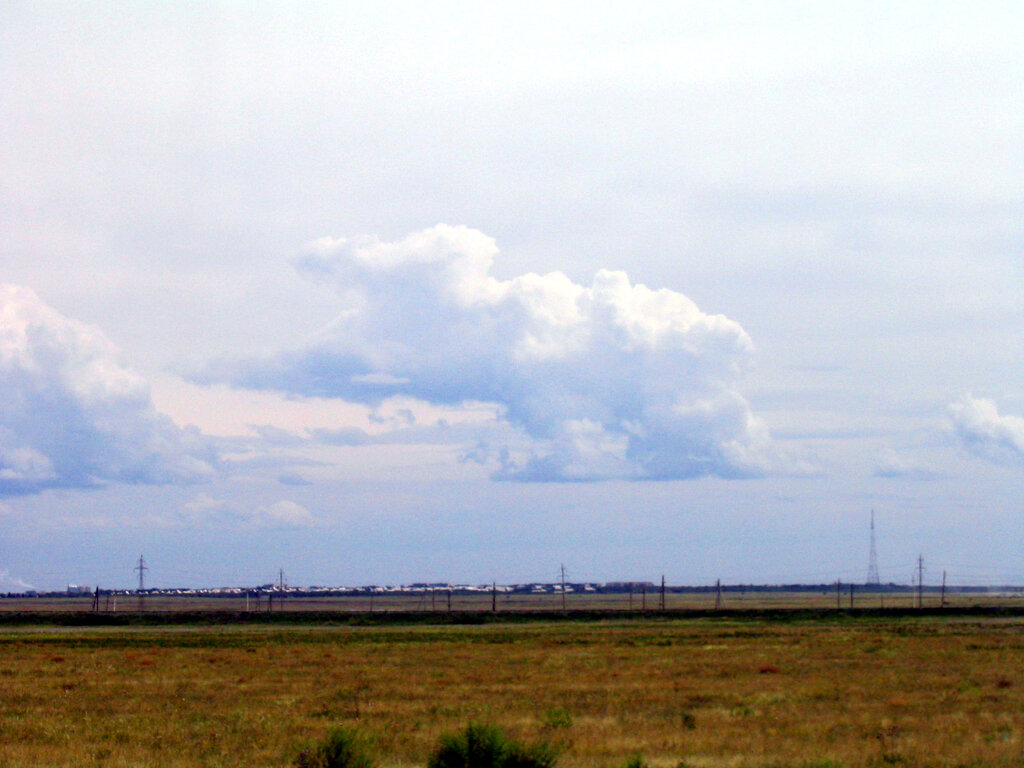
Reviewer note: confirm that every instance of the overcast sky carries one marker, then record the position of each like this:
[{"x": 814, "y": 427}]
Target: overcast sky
[{"x": 382, "y": 293}]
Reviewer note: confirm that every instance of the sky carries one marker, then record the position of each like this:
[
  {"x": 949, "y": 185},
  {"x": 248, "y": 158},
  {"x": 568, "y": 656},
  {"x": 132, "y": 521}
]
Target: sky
[{"x": 461, "y": 292}]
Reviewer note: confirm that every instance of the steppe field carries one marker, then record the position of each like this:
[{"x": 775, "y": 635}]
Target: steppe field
[{"x": 720, "y": 691}]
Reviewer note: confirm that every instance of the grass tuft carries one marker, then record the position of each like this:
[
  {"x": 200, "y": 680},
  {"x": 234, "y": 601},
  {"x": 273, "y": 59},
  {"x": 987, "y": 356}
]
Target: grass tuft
[
  {"x": 484, "y": 746},
  {"x": 557, "y": 718},
  {"x": 342, "y": 748}
]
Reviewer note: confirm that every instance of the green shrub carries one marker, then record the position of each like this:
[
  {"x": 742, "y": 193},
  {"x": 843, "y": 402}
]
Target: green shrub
[
  {"x": 484, "y": 746},
  {"x": 636, "y": 761},
  {"x": 341, "y": 748},
  {"x": 557, "y": 717}
]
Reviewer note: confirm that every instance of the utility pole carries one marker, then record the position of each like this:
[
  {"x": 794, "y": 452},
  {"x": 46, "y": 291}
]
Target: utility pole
[
  {"x": 141, "y": 568},
  {"x": 563, "y": 587},
  {"x": 494, "y": 597},
  {"x": 942, "y": 602},
  {"x": 839, "y": 594},
  {"x": 851, "y": 595},
  {"x": 663, "y": 591},
  {"x": 280, "y": 579},
  {"x": 718, "y": 594}
]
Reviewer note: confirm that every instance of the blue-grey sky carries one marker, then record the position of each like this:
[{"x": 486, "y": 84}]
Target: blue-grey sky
[{"x": 381, "y": 293}]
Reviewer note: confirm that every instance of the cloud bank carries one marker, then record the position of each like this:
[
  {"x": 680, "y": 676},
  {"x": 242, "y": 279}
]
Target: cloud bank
[
  {"x": 984, "y": 432},
  {"x": 610, "y": 380},
  {"x": 894, "y": 466},
  {"x": 73, "y": 416},
  {"x": 281, "y": 514}
]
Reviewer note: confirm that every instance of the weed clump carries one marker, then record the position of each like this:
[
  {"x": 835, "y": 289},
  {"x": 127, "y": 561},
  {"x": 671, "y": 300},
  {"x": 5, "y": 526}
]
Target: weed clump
[
  {"x": 484, "y": 746},
  {"x": 342, "y": 748},
  {"x": 557, "y": 717}
]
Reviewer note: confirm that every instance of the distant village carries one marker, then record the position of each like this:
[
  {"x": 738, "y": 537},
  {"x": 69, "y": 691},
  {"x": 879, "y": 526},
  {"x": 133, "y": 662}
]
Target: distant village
[
  {"x": 532, "y": 588},
  {"x": 326, "y": 591}
]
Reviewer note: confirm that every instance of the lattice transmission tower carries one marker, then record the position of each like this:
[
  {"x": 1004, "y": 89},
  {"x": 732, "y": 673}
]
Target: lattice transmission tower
[
  {"x": 142, "y": 568},
  {"x": 873, "y": 578}
]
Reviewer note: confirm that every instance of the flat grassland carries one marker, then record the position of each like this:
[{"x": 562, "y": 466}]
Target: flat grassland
[
  {"x": 437, "y": 601},
  {"x": 906, "y": 691}
]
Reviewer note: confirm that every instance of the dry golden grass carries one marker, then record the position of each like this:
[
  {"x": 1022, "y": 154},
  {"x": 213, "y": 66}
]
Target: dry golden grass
[
  {"x": 909, "y": 692},
  {"x": 438, "y": 601}
]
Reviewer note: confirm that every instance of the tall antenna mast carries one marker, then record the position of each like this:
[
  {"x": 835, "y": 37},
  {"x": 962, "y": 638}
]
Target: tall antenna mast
[{"x": 873, "y": 578}]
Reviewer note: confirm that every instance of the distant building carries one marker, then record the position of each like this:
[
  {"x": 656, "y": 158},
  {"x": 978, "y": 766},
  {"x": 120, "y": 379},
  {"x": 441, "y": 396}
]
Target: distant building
[
  {"x": 79, "y": 589},
  {"x": 629, "y": 585}
]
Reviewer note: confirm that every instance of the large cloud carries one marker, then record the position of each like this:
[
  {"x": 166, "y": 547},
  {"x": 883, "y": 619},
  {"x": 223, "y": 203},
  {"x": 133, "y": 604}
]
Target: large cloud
[
  {"x": 281, "y": 514},
  {"x": 613, "y": 379},
  {"x": 73, "y": 416},
  {"x": 986, "y": 433}
]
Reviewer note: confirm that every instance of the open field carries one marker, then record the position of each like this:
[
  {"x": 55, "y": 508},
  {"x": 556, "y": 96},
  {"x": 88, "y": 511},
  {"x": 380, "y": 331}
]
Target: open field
[
  {"x": 438, "y": 601},
  {"x": 935, "y": 691}
]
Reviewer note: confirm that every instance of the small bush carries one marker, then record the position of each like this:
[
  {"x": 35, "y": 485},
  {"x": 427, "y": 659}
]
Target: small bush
[
  {"x": 557, "y": 717},
  {"x": 636, "y": 761},
  {"x": 483, "y": 746},
  {"x": 342, "y": 748}
]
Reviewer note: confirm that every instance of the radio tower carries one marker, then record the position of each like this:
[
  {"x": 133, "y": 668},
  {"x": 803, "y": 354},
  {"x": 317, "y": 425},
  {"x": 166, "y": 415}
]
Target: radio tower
[{"x": 873, "y": 579}]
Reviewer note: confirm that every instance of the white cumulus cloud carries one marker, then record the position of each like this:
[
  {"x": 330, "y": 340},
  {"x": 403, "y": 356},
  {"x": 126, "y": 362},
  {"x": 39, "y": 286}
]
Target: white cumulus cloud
[
  {"x": 611, "y": 379},
  {"x": 283, "y": 513},
  {"x": 71, "y": 415},
  {"x": 894, "y": 466},
  {"x": 983, "y": 431},
  {"x": 205, "y": 509}
]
